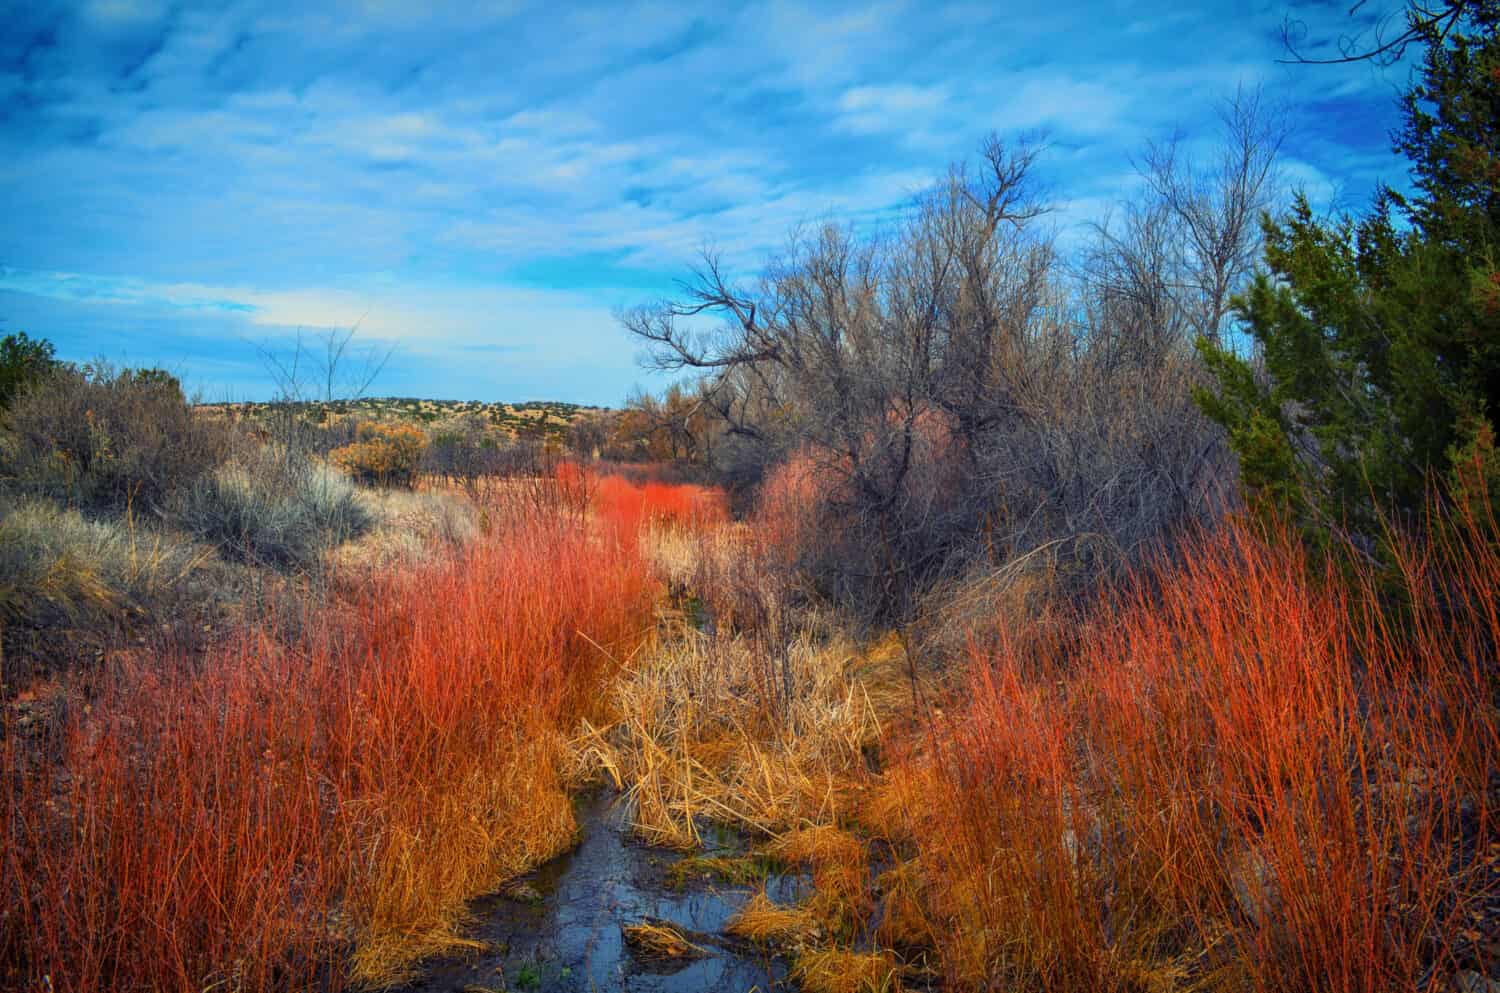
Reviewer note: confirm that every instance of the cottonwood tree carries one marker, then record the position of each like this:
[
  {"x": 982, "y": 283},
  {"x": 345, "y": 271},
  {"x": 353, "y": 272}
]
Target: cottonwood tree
[
  {"x": 679, "y": 426},
  {"x": 866, "y": 353},
  {"x": 1195, "y": 239},
  {"x": 961, "y": 398}
]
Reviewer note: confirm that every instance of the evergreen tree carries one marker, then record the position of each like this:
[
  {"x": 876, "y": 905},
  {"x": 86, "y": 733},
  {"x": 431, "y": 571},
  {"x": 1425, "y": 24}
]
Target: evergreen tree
[
  {"x": 23, "y": 360},
  {"x": 1378, "y": 339}
]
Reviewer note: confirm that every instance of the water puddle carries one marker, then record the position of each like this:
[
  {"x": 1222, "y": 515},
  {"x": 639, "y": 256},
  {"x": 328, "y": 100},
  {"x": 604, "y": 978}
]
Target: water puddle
[{"x": 560, "y": 927}]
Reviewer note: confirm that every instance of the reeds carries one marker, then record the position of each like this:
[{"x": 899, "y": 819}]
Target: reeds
[
  {"x": 1248, "y": 771},
  {"x": 630, "y": 506},
  {"x": 315, "y": 812}
]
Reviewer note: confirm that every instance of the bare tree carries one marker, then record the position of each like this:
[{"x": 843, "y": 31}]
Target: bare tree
[
  {"x": 1129, "y": 276},
  {"x": 327, "y": 369},
  {"x": 875, "y": 352},
  {"x": 961, "y": 401},
  {"x": 323, "y": 372},
  {"x": 1216, "y": 208}
]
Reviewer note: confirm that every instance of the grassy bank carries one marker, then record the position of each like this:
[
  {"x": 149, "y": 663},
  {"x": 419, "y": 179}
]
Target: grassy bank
[
  {"x": 280, "y": 813},
  {"x": 1247, "y": 769}
]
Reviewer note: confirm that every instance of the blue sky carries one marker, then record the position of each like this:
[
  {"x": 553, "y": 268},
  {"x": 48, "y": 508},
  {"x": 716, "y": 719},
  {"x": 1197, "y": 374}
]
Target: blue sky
[{"x": 481, "y": 185}]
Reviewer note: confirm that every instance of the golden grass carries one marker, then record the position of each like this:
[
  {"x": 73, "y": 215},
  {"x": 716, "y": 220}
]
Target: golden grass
[
  {"x": 763, "y": 921},
  {"x": 819, "y": 845},
  {"x": 840, "y": 871},
  {"x": 772, "y": 735},
  {"x": 424, "y": 867},
  {"x": 675, "y": 552},
  {"x": 659, "y": 940},
  {"x": 693, "y": 737},
  {"x": 888, "y": 807},
  {"x": 837, "y": 970},
  {"x": 904, "y": 920}
]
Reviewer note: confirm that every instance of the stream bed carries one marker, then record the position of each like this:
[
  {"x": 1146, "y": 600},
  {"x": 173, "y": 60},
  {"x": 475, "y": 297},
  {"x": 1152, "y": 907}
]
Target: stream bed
[{"x": 559, "y": 927}]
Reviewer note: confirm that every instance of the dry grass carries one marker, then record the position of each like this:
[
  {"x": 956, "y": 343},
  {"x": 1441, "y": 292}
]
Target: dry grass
[
  {"x": 768, "y": 923},
  {"x": 72, "y": 586},
  {"x": 766, "y": 729},
  {"x": 675, "y": 552},
  {"x": 409, "y": 526},
  {"x": 659, "y": 940},
  {"x": 836, "y": 970},
  {"x": 890, "y": 807},
  {"x": 282, "y": 815},
  {"x": 692, "y": 737},
  {"x": 733, "y": 725},
  {"x": 905, "y": 921},
  {"x": 841, "y": 901},
  {"x": 819, "y": 845}
]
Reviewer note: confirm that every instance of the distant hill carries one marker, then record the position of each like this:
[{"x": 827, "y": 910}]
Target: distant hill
[{"x": 530, "y": 417}]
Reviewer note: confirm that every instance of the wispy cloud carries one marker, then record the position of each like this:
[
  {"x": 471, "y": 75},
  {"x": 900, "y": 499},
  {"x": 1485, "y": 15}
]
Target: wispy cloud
[{"x": 492, "y": 180}]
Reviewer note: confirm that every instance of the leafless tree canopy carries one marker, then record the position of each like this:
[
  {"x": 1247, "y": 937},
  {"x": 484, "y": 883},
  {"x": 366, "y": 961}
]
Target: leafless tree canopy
[
  {"x": 966, "y": 396},
  {"x": 1181, "y": 250}
]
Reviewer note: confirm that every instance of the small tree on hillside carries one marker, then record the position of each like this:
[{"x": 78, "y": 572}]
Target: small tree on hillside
[{"x": 23, "y": 360}]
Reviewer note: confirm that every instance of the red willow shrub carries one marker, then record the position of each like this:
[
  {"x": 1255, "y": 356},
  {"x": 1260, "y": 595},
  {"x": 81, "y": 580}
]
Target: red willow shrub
[
  {"x": 789, "y": 507},
  {"x": 628, "y": 507},
  {"x": 875, "y": 528},
  {"x": 283, "y": 815},
  {"x": 1247, "y": 771}
]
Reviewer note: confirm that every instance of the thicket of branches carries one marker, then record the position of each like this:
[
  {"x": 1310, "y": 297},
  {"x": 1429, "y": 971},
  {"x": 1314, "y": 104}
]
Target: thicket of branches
[{"x": 963, "y": 392}]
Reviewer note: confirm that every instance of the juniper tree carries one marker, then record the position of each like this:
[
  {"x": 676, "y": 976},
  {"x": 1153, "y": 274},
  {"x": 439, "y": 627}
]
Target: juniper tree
[
  {"x": 23, "y": 360},
  {"x": 1377, "y": 340}
]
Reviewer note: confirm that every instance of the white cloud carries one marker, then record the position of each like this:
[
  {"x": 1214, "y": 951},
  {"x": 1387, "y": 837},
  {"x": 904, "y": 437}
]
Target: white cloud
[
  {"x": 899, "y": 108},
  {"x": 276, "y": 159}
]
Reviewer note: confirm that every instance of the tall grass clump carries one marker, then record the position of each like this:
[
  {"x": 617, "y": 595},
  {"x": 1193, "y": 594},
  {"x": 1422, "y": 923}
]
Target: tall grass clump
[
  {"x": 273, "y": 510},
  {"x": 1247, "y": 771},
  {"x": 280, "y": 815},
  {"x": 69, "y": 583}
]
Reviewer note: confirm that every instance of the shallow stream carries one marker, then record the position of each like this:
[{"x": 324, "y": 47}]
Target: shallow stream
[{"x": 560, "y": 927}]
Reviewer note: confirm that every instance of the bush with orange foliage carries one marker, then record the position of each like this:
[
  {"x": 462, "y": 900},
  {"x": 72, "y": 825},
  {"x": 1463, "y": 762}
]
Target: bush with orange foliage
[
  {"x": 629, "y": 506},
  {"x": 789, "y": 506},
  {"x": 1243, "y": 772},
  {"x": 871, "y": 531},
  {"x": 315, "y": 810},
  {"x": 387, "y": 454}
]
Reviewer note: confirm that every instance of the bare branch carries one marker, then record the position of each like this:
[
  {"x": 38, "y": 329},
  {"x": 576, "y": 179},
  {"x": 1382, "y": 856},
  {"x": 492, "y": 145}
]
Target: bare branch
[{"x": 1384, "y": 45}]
